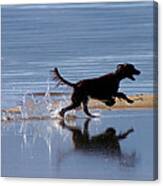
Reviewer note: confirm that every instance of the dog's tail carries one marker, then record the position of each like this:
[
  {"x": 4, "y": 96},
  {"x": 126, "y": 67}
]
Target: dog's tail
[{"x": 60, "y": 79}]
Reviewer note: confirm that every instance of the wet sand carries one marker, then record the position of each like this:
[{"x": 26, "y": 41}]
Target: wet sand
[{"x": 41, "y": 148}]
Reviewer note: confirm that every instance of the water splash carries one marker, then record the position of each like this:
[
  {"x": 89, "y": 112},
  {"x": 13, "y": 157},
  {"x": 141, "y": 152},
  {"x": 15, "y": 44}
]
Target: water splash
[
  {"x": 38, "y": 107},
  {"x": 6, "y": 116},
  {"x": 62, "y": 103}
]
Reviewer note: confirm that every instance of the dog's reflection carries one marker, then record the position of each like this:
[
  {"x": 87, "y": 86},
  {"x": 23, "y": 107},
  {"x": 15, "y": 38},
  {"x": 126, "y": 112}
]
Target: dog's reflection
[{"x": 106, "y": 141}]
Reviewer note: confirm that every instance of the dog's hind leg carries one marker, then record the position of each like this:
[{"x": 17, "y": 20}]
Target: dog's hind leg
[
  {"x": 76, "y": 101},
  {"x": 85, "y": 108},
  {"x": 70, "y": 107}
]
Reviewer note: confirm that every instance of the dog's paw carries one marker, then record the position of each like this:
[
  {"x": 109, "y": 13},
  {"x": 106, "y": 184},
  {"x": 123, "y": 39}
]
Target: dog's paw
[
  {"x": 61, "y": 114},
  {"x": 130, "y": 101},
  {"x": 110, "y": 102},
  {"x": 131, "y": 130}
]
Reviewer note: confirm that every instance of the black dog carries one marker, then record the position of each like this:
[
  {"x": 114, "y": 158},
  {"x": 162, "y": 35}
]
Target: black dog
[{"x": 104, "y": 88}]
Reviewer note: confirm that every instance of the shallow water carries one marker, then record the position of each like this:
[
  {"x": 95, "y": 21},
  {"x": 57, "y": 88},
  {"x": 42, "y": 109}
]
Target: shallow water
[{"x": 44, "y": 149}]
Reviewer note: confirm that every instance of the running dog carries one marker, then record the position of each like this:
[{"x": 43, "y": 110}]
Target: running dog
[{"x": 103, "y": 88}]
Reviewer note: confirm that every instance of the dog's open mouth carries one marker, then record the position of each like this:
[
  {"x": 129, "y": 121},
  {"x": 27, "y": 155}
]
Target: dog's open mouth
[{"x": 137, "y": 72}]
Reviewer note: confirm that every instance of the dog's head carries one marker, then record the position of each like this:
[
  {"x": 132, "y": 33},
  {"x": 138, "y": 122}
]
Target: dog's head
[
  {"x": 110, "y": 131},
  {"x": 127, "y": 70}
]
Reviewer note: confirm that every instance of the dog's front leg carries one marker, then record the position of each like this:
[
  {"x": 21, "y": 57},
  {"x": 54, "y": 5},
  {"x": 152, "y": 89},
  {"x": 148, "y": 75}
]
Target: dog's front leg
[{"x": 123, "y": 96}]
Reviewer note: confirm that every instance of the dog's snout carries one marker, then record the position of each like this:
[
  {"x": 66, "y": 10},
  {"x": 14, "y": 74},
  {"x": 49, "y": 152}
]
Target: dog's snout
[{"x": 138, "y": 72}]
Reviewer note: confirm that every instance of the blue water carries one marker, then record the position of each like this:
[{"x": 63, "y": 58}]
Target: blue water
[{"x": 83, "y": 40}]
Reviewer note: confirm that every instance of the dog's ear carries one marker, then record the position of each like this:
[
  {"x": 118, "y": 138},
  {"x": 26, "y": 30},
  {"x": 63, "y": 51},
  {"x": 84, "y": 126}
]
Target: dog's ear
[{"x": 120, "y": 66}]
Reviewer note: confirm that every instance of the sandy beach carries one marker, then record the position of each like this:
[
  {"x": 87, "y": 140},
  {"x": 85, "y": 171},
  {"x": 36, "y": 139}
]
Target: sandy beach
[{"x": 140, "y": 102}]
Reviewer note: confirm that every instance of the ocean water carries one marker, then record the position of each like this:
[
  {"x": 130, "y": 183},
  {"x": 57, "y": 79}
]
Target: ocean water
[{"x": 83, "y": 41}]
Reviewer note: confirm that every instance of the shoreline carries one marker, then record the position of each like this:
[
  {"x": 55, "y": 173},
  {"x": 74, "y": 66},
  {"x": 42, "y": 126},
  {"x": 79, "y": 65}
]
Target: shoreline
[{"x": 141, "y": 101}]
